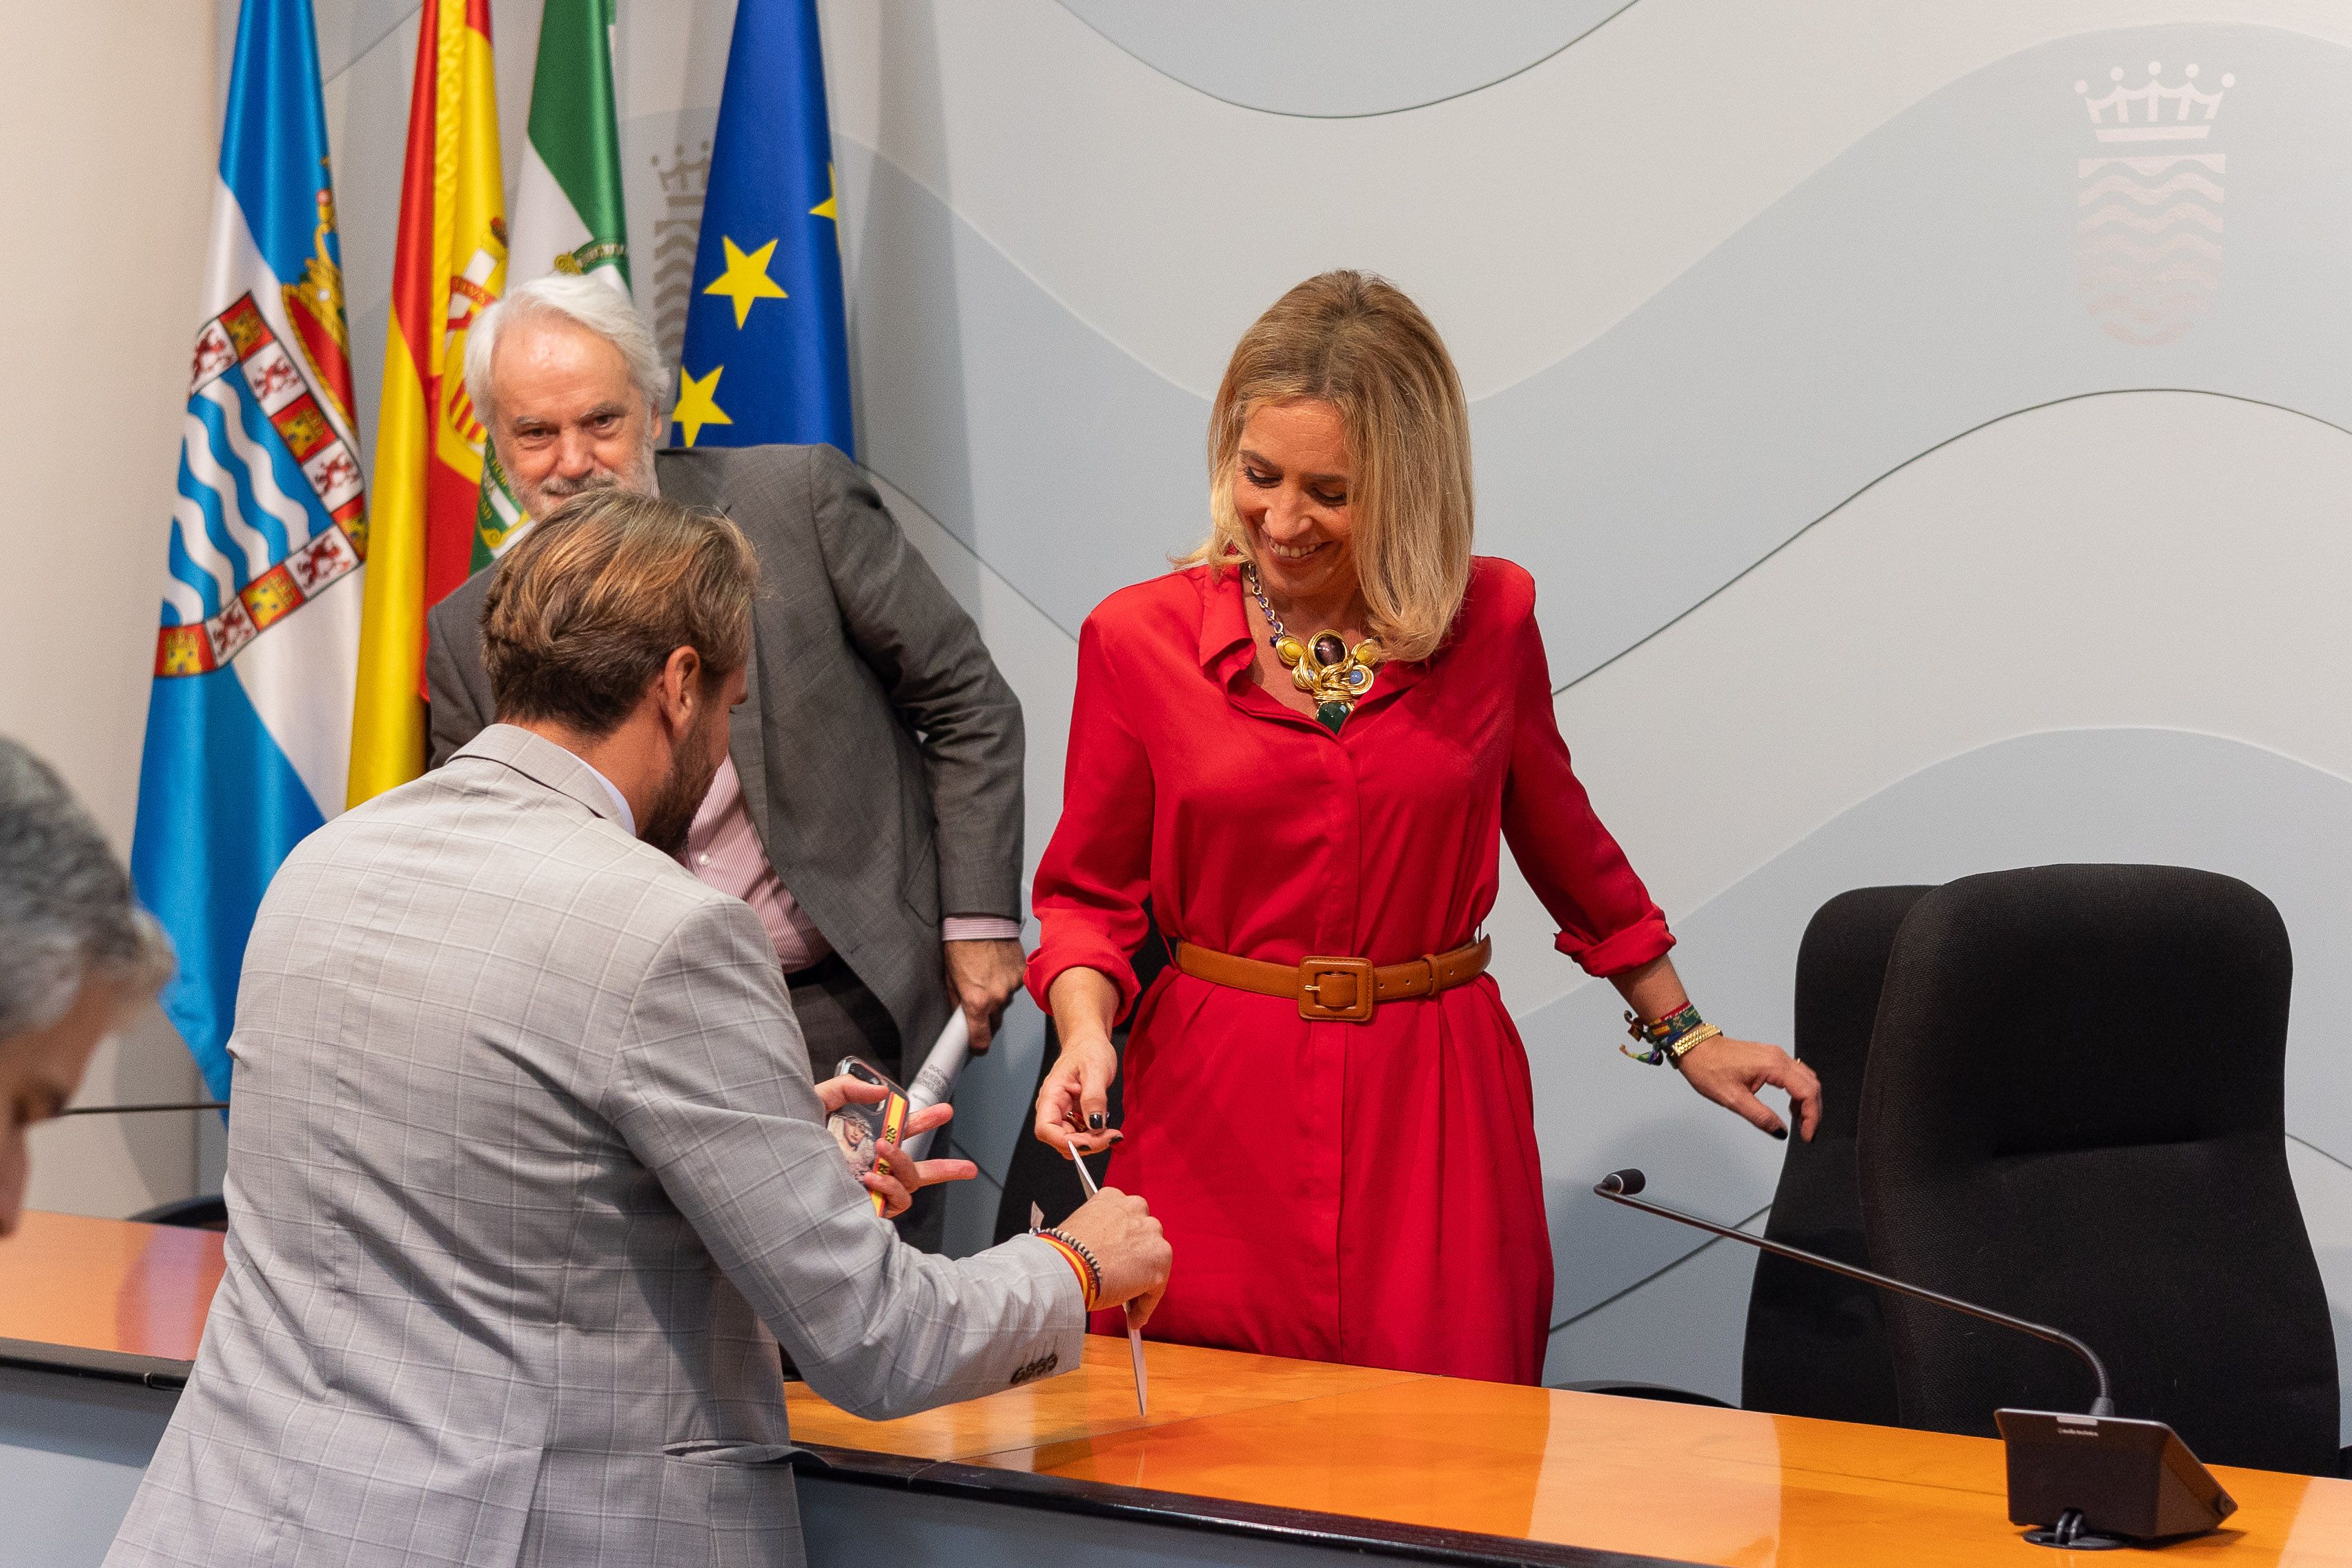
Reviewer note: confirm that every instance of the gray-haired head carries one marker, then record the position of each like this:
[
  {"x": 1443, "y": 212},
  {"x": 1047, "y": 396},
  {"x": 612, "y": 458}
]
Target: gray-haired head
[
  {"x": 66, "y": 911},
  {"x": 584, "y": 299}
]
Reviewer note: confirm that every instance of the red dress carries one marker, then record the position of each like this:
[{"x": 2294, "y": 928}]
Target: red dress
[{"x": 1366, "y": 1193}]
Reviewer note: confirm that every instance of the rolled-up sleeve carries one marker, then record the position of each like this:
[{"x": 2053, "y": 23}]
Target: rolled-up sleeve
[
  {"x": 1097, "y": 871},
  {"x": 1607, "y": 921}
]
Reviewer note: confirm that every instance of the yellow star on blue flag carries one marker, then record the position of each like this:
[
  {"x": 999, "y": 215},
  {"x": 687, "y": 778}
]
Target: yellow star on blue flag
[
  {"x": 697, "y": 404},
  {"x": 772, "y": 186},
  {"x": 746, "y": 277}
]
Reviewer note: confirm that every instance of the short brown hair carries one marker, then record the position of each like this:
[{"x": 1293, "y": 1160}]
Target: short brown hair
[
  {"x": 1357, "y": 343},
  {"x": 588, "y": 605}
]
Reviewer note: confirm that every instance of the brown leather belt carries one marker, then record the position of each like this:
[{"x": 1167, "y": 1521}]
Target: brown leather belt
[{"x": 1339, "y": 990}]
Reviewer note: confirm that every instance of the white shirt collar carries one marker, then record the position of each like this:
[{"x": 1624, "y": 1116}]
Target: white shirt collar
[{"x": 620, "y": 802}]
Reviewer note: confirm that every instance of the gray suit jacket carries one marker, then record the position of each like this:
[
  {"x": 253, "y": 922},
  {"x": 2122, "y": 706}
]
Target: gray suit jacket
[
  {"x": 526, "y": 1179},
  {"x": 857, "y": 649}
]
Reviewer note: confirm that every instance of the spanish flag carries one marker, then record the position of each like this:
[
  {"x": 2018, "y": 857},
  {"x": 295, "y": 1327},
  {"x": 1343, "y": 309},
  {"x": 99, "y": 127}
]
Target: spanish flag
[{"x": 449, "y": 264}]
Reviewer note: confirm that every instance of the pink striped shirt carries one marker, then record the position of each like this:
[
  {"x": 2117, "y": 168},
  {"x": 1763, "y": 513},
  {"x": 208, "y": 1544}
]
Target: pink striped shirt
[{"x": 723, "y": 849}]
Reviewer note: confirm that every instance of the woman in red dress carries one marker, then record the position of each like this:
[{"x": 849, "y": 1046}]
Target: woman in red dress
[{"x": 1305, "y": 748}]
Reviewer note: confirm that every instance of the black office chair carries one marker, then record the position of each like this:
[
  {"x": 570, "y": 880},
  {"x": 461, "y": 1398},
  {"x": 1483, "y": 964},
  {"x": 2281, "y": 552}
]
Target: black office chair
[
  {"x": 2075, "y": 1112},
  {"x": 209, "y": 1212},
  {"x": 1816, "y": 1343}
]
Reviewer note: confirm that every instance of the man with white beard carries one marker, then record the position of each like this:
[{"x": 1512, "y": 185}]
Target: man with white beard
[{"x": 870, "y": 808}]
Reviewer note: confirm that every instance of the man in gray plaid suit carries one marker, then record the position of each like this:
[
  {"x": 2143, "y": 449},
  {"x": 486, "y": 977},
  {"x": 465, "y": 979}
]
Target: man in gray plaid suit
[{"x": 526, "y": 1174}]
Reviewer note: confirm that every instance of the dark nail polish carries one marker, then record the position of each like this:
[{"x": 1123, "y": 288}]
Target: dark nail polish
[
  {"x": 1096, "y": 1121},
  {"x": 1781, "y": 1133}
]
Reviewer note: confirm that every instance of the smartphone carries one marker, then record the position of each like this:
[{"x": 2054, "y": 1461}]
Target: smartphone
[{"x": 858, "y": 1126}]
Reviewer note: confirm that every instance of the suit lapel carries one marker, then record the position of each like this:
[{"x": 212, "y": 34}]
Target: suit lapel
[
  {"x": 689, "y": 483},
  {"x": 745, "y": 739}
]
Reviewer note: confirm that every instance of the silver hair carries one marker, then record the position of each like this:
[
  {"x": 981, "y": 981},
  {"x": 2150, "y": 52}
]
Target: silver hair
[
  {"x": 586, "y": 300},
  {"x": 65, "y": 909}
]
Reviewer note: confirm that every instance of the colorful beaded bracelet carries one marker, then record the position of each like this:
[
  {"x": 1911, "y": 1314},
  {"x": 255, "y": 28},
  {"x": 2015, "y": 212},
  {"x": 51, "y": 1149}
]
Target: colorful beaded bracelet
[{"x": 1669, "y": 1039}]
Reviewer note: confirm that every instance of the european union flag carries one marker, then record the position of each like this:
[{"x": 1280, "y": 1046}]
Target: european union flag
[{"x": 767, "y": 348}]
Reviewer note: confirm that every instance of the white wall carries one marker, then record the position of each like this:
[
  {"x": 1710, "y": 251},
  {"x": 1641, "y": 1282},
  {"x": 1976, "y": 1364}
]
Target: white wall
[
  {"x": 111, "y": 133},
  {"x": 1842, "y": 441},
  {"x": 1806, "y": 379}
]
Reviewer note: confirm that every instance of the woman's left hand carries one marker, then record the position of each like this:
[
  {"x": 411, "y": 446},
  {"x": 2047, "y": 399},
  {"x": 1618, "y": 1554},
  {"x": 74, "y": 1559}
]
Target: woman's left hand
[
  {"x": 1729, "y": 1072},
  {"x": 893, "y": 1175}
]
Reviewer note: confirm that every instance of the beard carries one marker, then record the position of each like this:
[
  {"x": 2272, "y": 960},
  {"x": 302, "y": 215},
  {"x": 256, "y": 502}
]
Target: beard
[
  {"x": 671, "y": 817},
  {"x": 637, "y": 478},
  {"x": 691, "y": 769}
]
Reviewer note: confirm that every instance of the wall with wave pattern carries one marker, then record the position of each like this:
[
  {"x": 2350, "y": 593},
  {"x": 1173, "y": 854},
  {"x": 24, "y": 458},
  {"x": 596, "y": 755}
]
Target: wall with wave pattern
[{"x": 1964, "y": 487}]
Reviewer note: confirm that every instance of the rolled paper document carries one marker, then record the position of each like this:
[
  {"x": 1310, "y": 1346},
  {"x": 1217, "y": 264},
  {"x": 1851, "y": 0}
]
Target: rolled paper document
[{"x": 937, "y": 1082}]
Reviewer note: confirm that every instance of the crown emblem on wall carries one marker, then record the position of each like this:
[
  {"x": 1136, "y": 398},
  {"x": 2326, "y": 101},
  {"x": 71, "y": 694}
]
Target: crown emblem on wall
[
  {"x": 685, "y": 179},
  {"x": 2152, "y": 112},
  {"x": 2147, "y": 224},
  {"x": 684, "y": 182}
]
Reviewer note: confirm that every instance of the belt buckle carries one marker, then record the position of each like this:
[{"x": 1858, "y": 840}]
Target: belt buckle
[{"x": 1314, "y": 973}]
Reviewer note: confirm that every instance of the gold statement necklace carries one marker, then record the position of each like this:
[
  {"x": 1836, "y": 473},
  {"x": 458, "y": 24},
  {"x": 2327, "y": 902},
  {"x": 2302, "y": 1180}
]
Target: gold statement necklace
[{"x": 1338, "y": 676}]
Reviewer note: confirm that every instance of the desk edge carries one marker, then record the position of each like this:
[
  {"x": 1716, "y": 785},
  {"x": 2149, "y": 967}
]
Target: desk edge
[
  {"x": 111, "y": 1367},
  {"x": 1104, "y": 1499}
]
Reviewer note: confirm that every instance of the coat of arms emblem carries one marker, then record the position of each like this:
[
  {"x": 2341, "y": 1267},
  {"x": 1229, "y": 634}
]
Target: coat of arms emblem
[{"x": 2148, "y": 230}]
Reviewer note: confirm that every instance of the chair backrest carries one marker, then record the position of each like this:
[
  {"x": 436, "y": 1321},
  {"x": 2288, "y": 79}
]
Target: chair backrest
[
  {"x": 2075, "y": 1112},
  {"x": 1817, "y": 1343}
]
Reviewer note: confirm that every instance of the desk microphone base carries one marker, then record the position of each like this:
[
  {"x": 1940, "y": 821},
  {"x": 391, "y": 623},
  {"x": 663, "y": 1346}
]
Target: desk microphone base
[
  {"x": 2069, "y": 1535},
  {"x": 2093, "y": 1483}
]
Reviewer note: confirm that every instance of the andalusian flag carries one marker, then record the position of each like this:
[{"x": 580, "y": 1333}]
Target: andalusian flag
[
  {"x": 450, "y": 263},
  {"x": 568, "y": 210},
  {"x": 767, "y": 347},
  {"x": 248, "y": 721}
]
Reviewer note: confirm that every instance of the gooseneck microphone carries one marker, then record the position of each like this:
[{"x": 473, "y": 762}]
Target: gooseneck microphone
[
  {"x": 1619, "y": 1187},
  {"x": 2089, "y": 1482}
]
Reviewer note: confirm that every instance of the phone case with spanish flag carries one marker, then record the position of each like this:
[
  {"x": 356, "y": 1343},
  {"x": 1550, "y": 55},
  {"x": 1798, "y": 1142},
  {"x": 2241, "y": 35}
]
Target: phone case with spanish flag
[{"x": 858, "y": 1126}]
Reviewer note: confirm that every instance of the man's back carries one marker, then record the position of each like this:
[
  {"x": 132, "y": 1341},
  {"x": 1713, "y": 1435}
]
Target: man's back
[{"x": 524, "y": 1152}]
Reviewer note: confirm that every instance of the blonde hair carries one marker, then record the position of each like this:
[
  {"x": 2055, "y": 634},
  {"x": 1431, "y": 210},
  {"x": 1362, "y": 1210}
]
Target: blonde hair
[
  {"x": 588, "y": 607},
  {"x": 1356, "y": 342}
]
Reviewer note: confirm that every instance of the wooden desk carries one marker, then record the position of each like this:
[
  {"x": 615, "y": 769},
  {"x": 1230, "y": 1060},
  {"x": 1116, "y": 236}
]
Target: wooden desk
[
  {"x": 99, "y": 1321},
  {"x": 1243, "y": 1441},
  {"x": 106, "y": 1296},
  {"x": 1287, "y": 1454}
]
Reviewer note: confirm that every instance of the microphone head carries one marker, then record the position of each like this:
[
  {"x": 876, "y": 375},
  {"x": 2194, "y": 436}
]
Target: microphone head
[{"x": 1625, "y": 1182}]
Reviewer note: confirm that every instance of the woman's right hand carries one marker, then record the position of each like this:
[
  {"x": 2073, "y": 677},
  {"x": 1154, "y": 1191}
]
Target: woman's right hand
[{"x": 1073, "y": 1105}]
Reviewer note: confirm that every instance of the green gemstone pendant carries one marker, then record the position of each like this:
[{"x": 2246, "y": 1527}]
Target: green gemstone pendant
[{"x": 1337, "y": 675}]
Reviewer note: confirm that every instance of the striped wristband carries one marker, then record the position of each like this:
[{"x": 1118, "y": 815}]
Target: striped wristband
[{"x": 1081, "y": 1261}]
